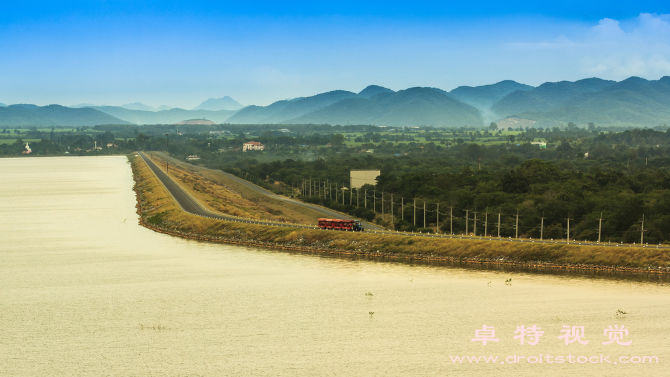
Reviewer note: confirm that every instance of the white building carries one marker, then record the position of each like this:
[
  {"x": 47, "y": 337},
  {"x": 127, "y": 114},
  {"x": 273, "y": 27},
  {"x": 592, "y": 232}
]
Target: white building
[{"x": 252, "y": 146}]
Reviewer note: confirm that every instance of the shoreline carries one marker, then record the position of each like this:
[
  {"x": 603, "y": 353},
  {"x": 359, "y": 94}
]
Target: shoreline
[{"x": 158, "y": 212}]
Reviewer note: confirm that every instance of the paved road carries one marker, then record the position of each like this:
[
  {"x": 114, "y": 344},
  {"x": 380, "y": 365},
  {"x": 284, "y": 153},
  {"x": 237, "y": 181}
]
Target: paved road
[
  {"x": 191, "y": 205},
  {"x": 328, "y": 213}
]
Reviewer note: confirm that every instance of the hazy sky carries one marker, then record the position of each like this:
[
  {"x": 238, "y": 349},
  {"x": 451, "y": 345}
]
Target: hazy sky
[{"x": 179, "y": 53}]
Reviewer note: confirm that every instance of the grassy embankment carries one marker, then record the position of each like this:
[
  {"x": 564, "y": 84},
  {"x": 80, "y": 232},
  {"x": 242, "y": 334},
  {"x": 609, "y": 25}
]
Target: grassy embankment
[
  {"x": 158, "y": 211},
  {"x": 221, "y": 194}
]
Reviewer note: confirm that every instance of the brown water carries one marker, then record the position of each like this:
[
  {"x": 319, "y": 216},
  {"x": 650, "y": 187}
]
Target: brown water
[{"x": 84, "y": 290}]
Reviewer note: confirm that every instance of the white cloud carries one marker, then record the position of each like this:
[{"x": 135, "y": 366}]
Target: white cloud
[
  {"x": 618, "y": 67},
  {"x": 653, "y": 24},
  {"x": 613, "y": 49},
  {"x": 608, "y": 29}
]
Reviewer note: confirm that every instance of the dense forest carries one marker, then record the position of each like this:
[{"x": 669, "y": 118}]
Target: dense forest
[{"x": 622, "y": 178}]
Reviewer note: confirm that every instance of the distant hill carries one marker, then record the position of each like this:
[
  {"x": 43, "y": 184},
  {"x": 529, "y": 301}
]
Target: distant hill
[
  {"x": 281, "y": 111},
  {"x": 143, "y": 107},
  {"x": 634, "y": 102},
  {"x": 53, "y": 115},
  {"x": 164, "y": 116},
  {"x": 546, "y": 96},
  {"x": 483, "y": 97},
  {"x": 410, "y": 107},
  {"x": 373, "y": 90},
  {"x": 631, "y": 102},
  {"x": 216, "y": 104}
]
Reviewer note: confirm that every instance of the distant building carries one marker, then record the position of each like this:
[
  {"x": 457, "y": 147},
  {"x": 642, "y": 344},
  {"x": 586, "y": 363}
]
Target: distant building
[
  {"x": 285, "y": 130},
  {"x": 193, "y": 157},
  {"x": 252, "y": 146},
  {"x": 358, "y": 178},
  {"x": 540, "y": 144},
  {"x": 28, "y": 150}
]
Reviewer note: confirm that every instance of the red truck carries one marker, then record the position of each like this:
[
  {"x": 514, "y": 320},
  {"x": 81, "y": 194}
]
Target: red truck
[{"x": 337, "y": 224}]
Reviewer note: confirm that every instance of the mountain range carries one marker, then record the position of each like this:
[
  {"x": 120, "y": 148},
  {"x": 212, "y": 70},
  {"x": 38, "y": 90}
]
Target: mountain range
[
  {"x": 174, "y": 115},
  {"x": 216, "y": 104},
  {"x": 409, "y": 107},
  {"x": 141, "y": 106},
  {"x": 129, "y": 106},
  {"x": 631, "y": 102},
  {"x": 53, "y": 115},
  {"x": 634, "y": 102}
]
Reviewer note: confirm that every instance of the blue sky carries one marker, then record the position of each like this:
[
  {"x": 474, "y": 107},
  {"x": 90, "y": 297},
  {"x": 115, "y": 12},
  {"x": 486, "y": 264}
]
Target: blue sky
[{"x": 180, "y": 53}]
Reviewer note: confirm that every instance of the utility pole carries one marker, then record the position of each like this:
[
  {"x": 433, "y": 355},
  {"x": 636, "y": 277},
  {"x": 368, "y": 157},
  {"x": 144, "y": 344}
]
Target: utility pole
[
  {"x": 437, "y": 230},
  {"x": 414, "y": 212},
  {"x": 517, "y": 224},
  {"x": 467, "y": 217},
  {"x": 486, "y": 221},
  {"x": 475, "y": 221},
  {"x": 600, "y": 225},
  {"x": 498, "y": 224},
  {"x": 343, "y": 193},
  {"x": 392, "y": 221},
  {"x": 451, "y": 220},
  {"x": 365, "y": 197},
  {"x": 351, "y": 195},
  {"x": 642, "y": 231},
  {"x": 542, "y": 228},
  {"x": 402, "y": 208},
  {"x": 424, "y": 214},
  {"x": 382, "y": 204}
]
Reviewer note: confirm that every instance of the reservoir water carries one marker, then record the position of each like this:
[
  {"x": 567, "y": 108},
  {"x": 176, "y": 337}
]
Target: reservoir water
[{"x": 86, "y": 291}]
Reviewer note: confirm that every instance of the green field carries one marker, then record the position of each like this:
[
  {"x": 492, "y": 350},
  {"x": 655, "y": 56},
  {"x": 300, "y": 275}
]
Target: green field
[{"x": 12, "y": 141}]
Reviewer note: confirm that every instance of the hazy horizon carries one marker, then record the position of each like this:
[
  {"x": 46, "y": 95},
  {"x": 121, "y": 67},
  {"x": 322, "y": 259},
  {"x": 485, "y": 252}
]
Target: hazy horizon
[{"x": 179, "y": 55}]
